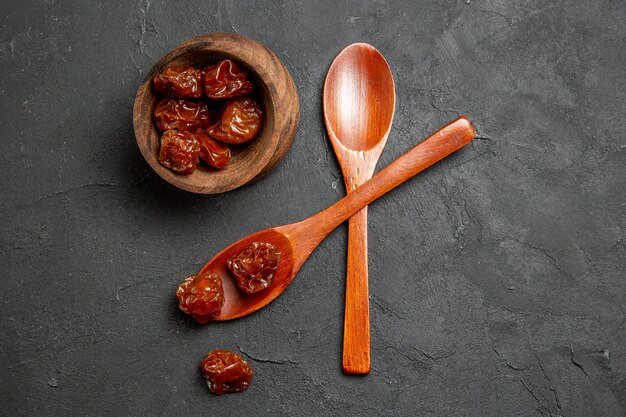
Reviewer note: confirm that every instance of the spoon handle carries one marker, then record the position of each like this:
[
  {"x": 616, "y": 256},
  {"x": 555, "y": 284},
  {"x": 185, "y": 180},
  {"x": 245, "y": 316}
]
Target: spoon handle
[
  {"x": 356, "y": 322},
  {"x": 442, "y": 143}
]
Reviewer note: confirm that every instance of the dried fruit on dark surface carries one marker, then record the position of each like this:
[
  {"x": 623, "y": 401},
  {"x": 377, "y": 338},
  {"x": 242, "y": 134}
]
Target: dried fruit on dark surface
[
  {"x": 240, "y": 121},
  {"x": 181, "y": 115},
  {"x": 212, "y": 152},
  {"x": 201, "y": 296},
  {"x": 179, "y": 151},
  {"x": 180, "y": 82},
  {"x": 225, "y": 372},
  {"x": 226, "y": 80},
  {"x": 255, "y": 266}
]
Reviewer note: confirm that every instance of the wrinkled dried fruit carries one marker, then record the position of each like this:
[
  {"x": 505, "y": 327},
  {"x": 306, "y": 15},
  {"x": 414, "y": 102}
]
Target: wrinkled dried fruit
[
  {"x": 179, "y": 151},
  {"x": 254, "y": 267},
  {"x": 226, "y": 372},
  {"x": 212, "y": 152},
  {"x": 226, "y": 80},
  {"x": 181, "y": 115},
  {"x": 201, "y": 296},
  {"x": 180, "y": 82},
  {"x": 240, "y": 122}
]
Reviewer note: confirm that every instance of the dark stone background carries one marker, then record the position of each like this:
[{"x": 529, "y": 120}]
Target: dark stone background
[{"x": 497, "y": 277}]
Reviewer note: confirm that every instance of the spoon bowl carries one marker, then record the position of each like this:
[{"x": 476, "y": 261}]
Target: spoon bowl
[
  {"x": 239, "y": 304},
  {"x": 359, "y": 98}
]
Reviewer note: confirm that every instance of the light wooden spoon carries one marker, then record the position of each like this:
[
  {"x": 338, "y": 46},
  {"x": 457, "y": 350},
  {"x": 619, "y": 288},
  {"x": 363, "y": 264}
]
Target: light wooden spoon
[
  {"x": 297, "y": 241},
  {"x": 359, "y": 102}
]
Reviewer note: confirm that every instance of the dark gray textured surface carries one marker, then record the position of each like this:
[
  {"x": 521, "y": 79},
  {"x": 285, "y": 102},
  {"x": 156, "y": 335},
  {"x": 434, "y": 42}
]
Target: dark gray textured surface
[{"x": 498, "y": 277}]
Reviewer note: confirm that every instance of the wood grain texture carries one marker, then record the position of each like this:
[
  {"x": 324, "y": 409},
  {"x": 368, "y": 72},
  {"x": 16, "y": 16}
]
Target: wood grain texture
[
  {"x": 356, "y": 322},
  {"x": 277, "y": 94},
  {"x": 297, "y": 241},
  {"x": 359, "y": 103}
]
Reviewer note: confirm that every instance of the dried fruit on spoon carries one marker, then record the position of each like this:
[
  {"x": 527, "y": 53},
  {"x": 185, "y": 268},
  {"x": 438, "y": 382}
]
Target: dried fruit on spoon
[
  {"x": 255, "y": 266},
  {"x": 201, "y": 296},
  {"x": 253, "y": 269}
]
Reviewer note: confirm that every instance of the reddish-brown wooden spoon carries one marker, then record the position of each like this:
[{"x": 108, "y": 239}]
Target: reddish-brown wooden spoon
[
  {"x": 359, "y": 102},
  {"x": 297, "y": 241}
]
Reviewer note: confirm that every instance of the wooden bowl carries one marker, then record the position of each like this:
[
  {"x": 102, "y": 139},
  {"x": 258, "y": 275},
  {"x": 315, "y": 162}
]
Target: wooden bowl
[{"x": 275, "y": 90}]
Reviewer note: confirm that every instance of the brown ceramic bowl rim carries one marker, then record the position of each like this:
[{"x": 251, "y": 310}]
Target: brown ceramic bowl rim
[{"x": 265, "y": 152}]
